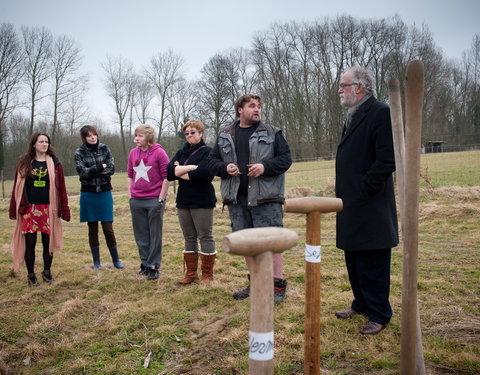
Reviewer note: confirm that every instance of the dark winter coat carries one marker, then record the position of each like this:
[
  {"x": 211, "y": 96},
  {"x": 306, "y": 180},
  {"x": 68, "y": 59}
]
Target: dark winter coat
[
  {"x": 365, "y": 162},
  {"x": 88, "y": 163},
  {"x": 198, "y": 192}
]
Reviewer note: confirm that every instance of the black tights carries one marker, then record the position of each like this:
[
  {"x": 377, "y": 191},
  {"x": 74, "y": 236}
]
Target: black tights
[
  {"x": 30, "y": 242},
  {"x": 107, "y": 227}
]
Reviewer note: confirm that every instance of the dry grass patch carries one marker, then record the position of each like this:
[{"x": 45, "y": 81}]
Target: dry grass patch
[
  {"x": 454, "y": 323},
  {"x": 68, "y": 312},
  {"x": 453, "y": 211},
  {"x": 459, "y": 193}
]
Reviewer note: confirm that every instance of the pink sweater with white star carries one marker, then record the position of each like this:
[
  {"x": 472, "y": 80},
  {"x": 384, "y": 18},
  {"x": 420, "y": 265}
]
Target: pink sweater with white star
[{"x": 147, "y": 169}]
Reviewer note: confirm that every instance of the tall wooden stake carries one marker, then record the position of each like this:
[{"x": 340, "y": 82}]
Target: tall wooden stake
[
  {"x": 399, "y": 144},
  {"x": 407, "y": 152}
]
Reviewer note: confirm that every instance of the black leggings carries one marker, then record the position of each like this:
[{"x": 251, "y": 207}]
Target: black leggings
[
  {"x": 107, "y": 227},
  {"x": 30, "y": 242}
]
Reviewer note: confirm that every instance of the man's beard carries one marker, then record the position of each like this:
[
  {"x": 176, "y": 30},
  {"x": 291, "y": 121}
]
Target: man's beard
[{"x": 349, "y": 100}]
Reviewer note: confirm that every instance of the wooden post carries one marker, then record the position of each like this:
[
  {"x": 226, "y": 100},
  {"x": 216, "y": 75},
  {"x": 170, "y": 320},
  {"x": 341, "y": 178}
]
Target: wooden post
[
  {"x": 399, "y": 143},
  {"x": 312, "y": 206},
  {"x": 407, "y": 155},
  {"x": 260, "y": 243}
]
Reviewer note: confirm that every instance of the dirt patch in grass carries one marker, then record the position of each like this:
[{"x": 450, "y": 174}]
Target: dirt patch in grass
[{"x": 207, "y": 337}]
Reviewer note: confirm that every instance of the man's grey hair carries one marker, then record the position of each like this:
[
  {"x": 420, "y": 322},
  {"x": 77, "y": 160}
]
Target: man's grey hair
[{"x": 365, "y": 77}]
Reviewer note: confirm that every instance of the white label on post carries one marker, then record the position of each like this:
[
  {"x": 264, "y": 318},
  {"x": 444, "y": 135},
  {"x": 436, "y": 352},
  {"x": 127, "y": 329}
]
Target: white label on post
[
  {"x": 313, "y": 254},
  {"x": 261, "y": 346}
]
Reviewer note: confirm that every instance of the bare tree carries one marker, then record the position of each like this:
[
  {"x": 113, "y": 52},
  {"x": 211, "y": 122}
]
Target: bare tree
[
  {"x": 240, "y": 72},
  {"x": 11, "y": 69},
  {"x": 375, "y": 47},
  {"x": 326, "y": 106},
  {"x": 165, "y": 69},
  {"x": 181, "y": 102},
  {"x": 76, "y": 112},
  {"x": 11, "y": 72},
  {"x": 144, "y": 95},
  {"x": 119, "y": 83},
  {"x": 37, "y": 44},
  {"x": 17, "y": 127},
  {"x": 224, "y": 78},
  {"x": 66, "y": 61},
  {"x": 345, "y": 37},
  {"x": 133, "y": 102},
  {"x": 216, "y": 87},
  {"x": 244, "y": 69},
  {"x": 281, "y": 82},
  {"x": 472, "y": 61}
]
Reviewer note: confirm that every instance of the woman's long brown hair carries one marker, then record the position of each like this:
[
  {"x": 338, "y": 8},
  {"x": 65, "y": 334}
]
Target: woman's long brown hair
[{"x": 24, "y": 165}]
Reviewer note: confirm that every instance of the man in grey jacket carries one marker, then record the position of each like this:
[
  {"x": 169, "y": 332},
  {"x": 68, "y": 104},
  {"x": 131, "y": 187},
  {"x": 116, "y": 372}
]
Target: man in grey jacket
[{"x": 252, "y": 157}]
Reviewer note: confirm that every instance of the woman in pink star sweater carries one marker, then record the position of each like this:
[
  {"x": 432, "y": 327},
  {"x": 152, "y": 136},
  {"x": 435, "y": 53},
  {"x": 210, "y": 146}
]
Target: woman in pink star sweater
[{"x": 148, "y": 191}]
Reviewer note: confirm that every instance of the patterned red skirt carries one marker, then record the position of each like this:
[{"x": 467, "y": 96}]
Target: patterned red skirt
[{"x": 36, "y": 219}]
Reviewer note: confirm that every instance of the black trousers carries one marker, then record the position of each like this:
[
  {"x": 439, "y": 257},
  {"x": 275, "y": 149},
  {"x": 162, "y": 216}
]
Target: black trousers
[{"x": 369, "y": 275}]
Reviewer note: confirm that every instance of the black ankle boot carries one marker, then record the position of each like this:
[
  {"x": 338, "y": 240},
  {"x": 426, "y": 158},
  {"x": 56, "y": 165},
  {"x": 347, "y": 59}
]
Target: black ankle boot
[
  {"x": 47, "y": 276},
  {"x": 243, "y": 293},
  {"x": 32, "y": 280}
]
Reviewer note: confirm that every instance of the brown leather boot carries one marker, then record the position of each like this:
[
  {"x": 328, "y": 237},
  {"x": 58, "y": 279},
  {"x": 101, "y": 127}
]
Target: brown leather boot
[
  {"x": 191, "y": 261},
  {"x": 208, "y": 260}
]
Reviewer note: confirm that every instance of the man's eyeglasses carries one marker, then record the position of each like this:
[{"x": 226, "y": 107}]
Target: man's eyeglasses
[
  {"x": 345, "y": 85},
  {"x": 190, "y": 133}
]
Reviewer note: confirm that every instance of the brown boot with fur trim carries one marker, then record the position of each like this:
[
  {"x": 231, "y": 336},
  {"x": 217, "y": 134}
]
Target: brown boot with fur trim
[
  {"x": 191, "y": 261},
  {"x": 208, "y": 261}
]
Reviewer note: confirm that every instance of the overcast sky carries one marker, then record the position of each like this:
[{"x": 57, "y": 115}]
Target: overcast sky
[{"x": 197, "y": 29}]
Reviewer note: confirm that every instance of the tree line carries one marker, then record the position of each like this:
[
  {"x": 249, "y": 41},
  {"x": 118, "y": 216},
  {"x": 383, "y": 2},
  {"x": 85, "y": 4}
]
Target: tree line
[{"x": 295, "y": 67}]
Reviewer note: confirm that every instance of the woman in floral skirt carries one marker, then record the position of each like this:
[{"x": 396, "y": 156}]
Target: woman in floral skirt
[{"x": 39, "y": 200}]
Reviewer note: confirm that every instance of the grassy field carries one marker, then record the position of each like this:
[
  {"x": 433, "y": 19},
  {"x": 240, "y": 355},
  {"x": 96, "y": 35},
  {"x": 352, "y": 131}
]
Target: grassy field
[{"x": 109, "y": 321}]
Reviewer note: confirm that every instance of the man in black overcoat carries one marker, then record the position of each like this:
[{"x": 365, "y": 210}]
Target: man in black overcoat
[{"x": 367, "y": 227}]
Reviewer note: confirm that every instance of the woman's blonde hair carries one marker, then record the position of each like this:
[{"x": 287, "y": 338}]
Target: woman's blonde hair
[
  {"x": 148, "y": 131},
  {"x": 197, "y": 125}
]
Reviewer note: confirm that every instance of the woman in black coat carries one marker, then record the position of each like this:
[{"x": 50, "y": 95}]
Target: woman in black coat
[{"x": 195, "y": 202}]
